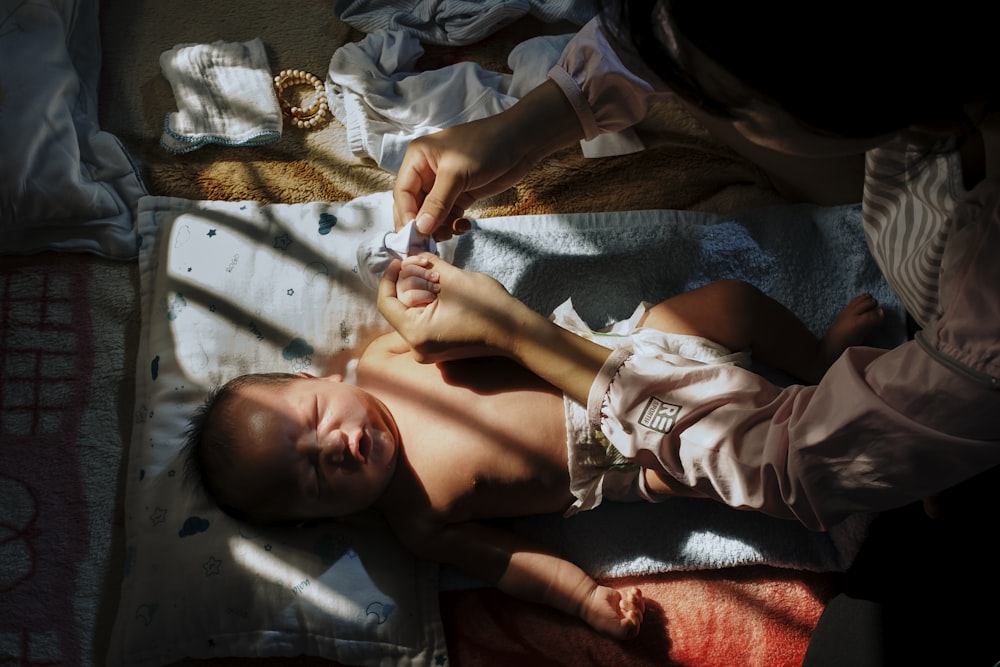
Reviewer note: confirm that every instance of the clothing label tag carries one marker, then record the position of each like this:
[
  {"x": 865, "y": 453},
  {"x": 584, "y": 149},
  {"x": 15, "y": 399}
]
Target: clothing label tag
[{"x": 659, "y": 416}]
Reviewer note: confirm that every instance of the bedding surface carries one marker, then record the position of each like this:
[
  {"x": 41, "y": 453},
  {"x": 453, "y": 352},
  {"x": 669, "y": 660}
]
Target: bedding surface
[
  {"x": 65, "y": 409},
  {"x": 71, "y": 321},
  {"x": 235, "y": 287}
]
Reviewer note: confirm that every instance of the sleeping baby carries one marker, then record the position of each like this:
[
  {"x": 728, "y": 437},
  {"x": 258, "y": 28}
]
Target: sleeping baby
[{"x": 439, "y": 449}]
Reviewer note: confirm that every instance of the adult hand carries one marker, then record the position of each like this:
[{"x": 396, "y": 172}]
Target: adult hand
[
  {"x": 472, "y": 315},
  {"x": 442, "y": 174}
]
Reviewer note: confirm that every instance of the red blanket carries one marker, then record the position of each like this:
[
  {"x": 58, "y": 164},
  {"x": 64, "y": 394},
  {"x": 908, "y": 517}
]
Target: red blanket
[{"x": 745, "y": 617}]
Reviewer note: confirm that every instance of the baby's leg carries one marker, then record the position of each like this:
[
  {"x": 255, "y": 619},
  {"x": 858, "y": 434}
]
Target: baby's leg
[
  {"x": 849, "y": 327},
  {"x": 739, "y": 316}
]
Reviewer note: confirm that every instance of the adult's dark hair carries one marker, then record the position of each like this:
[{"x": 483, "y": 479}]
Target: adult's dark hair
[{"x": 848, "y": 68}]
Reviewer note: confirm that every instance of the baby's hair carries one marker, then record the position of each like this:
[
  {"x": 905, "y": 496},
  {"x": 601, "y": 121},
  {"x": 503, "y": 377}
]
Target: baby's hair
[{"x": 209, "y": 442}]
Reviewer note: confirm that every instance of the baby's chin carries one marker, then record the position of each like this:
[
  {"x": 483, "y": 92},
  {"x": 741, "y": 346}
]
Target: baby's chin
[
  {"x": 385, "y": 440},
  {"x": 385, "y": 450}
]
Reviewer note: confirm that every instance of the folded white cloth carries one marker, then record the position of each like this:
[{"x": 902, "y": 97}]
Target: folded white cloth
[{"x": 224, "y": 93}]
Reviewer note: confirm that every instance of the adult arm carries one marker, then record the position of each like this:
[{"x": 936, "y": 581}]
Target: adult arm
[
  {"x": 443, "y": 173},
  {"x": 592, "y": 89},
  {"x": 473, "y": 315},
  {"x": 611, "y": 89},
  {"x": 882, "y": 429}
]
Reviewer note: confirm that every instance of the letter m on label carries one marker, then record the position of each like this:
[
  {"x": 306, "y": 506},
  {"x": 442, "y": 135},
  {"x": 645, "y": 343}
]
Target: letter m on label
[{"x": 659, "y": 416}]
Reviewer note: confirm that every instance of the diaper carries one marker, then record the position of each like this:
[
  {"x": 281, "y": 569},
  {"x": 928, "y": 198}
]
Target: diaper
[{"x": 596, "y": 469}]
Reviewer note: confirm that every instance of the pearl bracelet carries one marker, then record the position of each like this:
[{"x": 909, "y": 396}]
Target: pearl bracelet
[{"x": 308, "y": 117}]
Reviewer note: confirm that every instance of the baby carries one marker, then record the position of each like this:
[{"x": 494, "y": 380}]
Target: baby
[{"x": 439, "y": 448}]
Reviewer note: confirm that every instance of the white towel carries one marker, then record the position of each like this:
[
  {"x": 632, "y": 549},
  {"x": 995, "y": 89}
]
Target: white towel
[{"x": 224, "y": 93}]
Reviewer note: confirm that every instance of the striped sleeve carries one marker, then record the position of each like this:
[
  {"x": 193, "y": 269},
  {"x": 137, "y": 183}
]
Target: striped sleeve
[{"x": 907, "y": 210}]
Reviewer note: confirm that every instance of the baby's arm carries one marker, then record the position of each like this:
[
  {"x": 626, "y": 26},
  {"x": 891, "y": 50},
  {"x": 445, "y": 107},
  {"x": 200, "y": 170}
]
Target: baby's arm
[
  {"x": 527, "y": 571},
  {"x": 417, "y": 284},
  {"x": 547, "y": 578}
]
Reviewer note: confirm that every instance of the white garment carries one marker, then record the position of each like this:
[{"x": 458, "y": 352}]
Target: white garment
[
  {"x": 609, "y": 91},
  {"x": 456, "y": 22},
  {"x": 375, "y": 91},
  {"x": 224, "y": 93},
  {"x": 384, "y": 102}
]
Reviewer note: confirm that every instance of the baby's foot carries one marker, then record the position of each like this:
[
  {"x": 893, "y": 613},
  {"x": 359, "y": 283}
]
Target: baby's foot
[
  {"x": 417, "y": 284},
  {"x": 850, "y": 326},
  {"x": 375, "y": 255}
]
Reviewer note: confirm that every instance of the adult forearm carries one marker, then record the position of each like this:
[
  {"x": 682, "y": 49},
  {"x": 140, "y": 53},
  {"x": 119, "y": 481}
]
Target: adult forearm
[
  {"x": 543, "y": 121},
  {"x": 558, "y": 356},
  {"x": 816, "y": 454}
]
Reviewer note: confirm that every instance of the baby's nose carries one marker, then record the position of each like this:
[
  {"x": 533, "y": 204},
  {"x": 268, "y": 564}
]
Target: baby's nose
[{"x": 335, "y": 446}]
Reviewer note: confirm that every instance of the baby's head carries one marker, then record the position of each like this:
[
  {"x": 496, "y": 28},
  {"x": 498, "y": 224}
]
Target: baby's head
[{"x": 292, "y": 447}]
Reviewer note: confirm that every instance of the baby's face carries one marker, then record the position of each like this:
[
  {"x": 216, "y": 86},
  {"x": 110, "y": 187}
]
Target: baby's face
[{"x": 310, "y": 448}]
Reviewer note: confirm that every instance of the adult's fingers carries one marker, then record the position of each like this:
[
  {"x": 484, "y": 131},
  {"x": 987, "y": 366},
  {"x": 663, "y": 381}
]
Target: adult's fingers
[
  {"x": 440, "y": 205},
  {"x": 388, "y": 300},
  {"x": 407, "y": 194}
]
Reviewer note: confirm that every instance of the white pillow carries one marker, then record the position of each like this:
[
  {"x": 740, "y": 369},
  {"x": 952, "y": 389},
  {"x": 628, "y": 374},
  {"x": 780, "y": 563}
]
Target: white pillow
[{"x": 228, "y": 288}]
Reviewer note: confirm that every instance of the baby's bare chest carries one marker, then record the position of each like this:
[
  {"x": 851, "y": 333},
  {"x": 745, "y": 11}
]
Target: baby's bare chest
[
  {"x": 502, "y": 457},
  {"x": 484, "y": 437}
]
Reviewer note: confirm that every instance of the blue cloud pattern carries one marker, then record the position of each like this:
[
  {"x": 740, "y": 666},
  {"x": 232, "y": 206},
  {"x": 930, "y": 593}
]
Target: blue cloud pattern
[
  {"x": 326, "y": 223},
  {"x": 193, "y": 525}
]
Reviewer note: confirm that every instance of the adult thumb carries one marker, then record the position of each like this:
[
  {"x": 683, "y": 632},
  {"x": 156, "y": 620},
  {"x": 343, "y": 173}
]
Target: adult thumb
[{"x": 437, "y": 205}]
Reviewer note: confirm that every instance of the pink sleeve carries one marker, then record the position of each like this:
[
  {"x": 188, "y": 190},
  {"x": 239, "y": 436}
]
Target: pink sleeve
[
  {"x": 812, "y": 453},
  {"x": 607, "y": 94}
]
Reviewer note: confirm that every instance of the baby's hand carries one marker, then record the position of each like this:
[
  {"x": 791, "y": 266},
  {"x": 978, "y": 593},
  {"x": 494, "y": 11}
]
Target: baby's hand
[
  {"x": 417, "y": 284},
  {"x": 615, "y": 613}
]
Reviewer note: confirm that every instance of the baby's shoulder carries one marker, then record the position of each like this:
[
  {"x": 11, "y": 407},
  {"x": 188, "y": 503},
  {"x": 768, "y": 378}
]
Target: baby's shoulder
[{"x": 419, "y": 530}]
